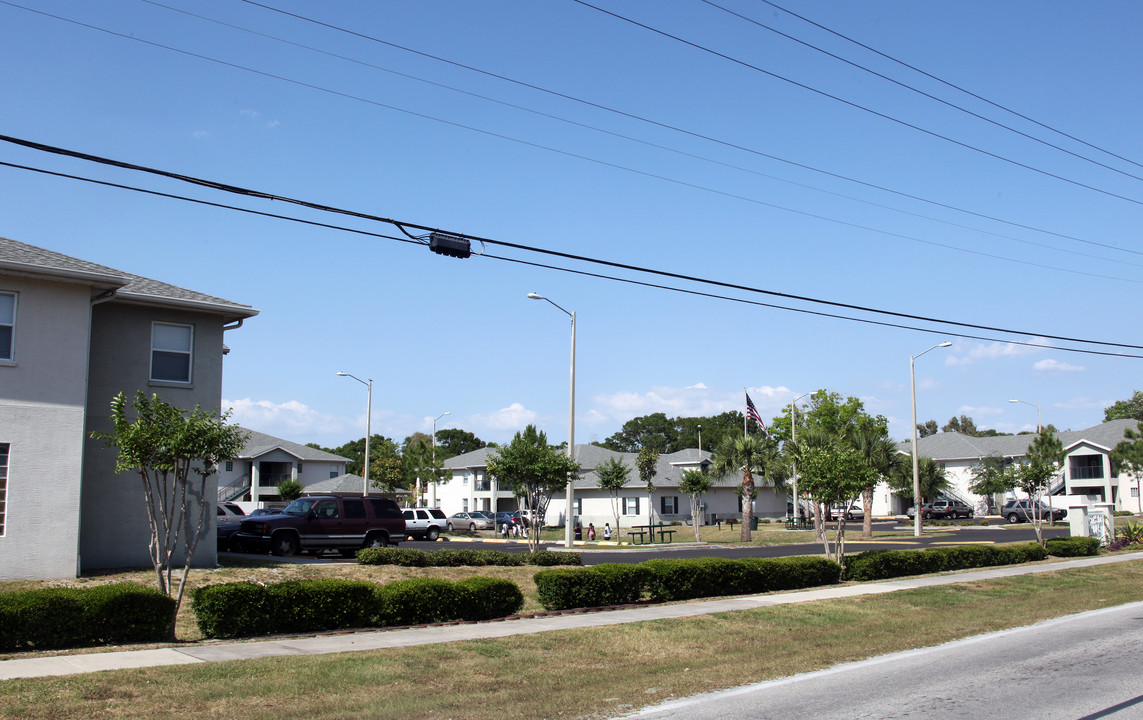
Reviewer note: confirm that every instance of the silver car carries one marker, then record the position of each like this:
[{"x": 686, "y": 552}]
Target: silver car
[{"x": 472, "y": 521}]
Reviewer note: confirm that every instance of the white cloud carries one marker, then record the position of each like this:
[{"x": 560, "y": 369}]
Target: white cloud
[
  {"x": 692, "y": 401},
  {"x": 289, "y": 420},
  {"x": 967, "y": 353},
  {"x": 1050, "y": 365},
  {"x": 975, "y": 411},
  {"x": 514, "y": 418},
  {"x": 255, "y": 118}
]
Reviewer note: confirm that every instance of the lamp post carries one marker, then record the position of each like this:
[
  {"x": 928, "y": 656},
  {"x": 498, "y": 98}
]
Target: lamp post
[
  {"x": 438, "y": 417},
  {"x": 1039, "y": 424},
  {"x": 794, "y": 437},
  {"x": 368, "y": 425},
  {"x": 570, "y": 494},
  {"x": 916, "y": 470}
]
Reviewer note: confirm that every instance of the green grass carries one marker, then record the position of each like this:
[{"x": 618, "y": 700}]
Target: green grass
[{"x": 587, "y": 673}]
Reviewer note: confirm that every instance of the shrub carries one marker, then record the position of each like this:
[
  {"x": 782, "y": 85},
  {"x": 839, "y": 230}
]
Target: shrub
[
  {"x": 1073, "y": 546},
  {"x": 322, "y": 604},
  {"x": 883, "y": 564},
  {"x": 419, "y": 601},
  {"x": 564, "y": 588},
  {"x": 407, "y": 557},
  {"x": 486, "y": 598},
  {"x": 548, "y": 558},
  {"x": 78, "y": 617},
  {"x": 1131, "y": 532},
  {"x": 791, "y": 573},
  {"x": 448, "y": 557},
  {"x": 1123, "y": 513}
]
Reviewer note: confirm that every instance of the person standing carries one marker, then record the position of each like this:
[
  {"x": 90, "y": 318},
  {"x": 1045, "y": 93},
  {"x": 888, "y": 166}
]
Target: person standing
[{"x": 607, "y": 531}]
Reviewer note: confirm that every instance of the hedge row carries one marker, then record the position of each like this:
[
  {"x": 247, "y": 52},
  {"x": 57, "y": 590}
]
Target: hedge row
[
  {"x": 411, "y": 557},
  {"x": 245, "y": 609},
  {"x": 679, "y": 579},
  {"x": 78, "y": 617},
  {"x": 883, "y": 564},
  {"x": 1073, "y": 546}
]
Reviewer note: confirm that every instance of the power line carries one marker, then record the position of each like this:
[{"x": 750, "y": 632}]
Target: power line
[
  {"x": 952, "y": 85},
  {"x": 930, "y": 96},
  {"x": 530, "y": 248},
  {"x": 674, "y": 128},
  {"x": 583, "y": 273},
  {"x": 858, "y": 106}
]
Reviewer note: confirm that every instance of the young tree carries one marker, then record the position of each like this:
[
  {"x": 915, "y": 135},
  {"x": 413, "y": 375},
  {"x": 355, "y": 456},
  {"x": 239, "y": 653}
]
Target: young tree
[
  {"x": 835, "y": 474},
  {"x": 990, "y": 480},
  {"x": 1127, "y": 456},
  {"x": 1049, "y": 450},
  {"x": 696, "y": 483},
  {"x": 174, "y": 452},
  {"x": 645, "y": 463},
  {"x": 423, "y": 467},
  {"x": 747, "y": 455},
  {"x": 533, "y": 470},
  {"x": 289, "y": 490},
  {"x": 613, "y": 476},
  {"x": 933, "y": 479},
  {"x": 1032, "y": 477}
]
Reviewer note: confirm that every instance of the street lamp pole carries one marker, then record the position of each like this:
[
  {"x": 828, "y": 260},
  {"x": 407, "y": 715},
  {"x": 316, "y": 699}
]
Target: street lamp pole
[
  {"x": 438, "y": 417},
  {"x": 570, "y": 493},
  {"x": 794, "y": 437},
  {"x": 916, "y": 470},
  {"x": 1039, "y": 418},
  {"x": 368, "y": 425}
]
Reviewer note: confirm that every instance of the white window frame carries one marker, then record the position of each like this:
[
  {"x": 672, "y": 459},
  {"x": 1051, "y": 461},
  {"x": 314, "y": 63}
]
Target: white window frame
[
  {"x": 11, "y": 349},
  {"x": 189, "y": 353},
  {"x": 577, "y": 507},
  {"x": 631, "y": 505},
  {"x": 333, "y": 472}
]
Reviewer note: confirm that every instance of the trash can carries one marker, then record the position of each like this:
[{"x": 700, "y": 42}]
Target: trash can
[{"x": 753, "y": 523}]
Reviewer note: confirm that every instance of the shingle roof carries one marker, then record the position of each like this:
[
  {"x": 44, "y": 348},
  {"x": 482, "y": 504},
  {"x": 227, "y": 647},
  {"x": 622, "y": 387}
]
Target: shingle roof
[
  {"x": 258, "y": 444},
  {"x": 28, "y": 260},
  {"x": 946, "y": 446}
]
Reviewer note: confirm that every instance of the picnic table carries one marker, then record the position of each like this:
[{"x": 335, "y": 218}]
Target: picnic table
[
  {"x": 640, "y": 534},
  {"x": 802, "y": 523}
]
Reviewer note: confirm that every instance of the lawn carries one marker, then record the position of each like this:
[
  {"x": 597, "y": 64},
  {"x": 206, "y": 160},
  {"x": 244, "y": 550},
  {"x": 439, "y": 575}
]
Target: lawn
[{"x": 587, "y": 673}]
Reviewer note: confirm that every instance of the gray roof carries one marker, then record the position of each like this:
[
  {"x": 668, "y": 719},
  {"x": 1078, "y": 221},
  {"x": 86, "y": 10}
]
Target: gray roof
[
  {"x": 669, "y": 468},
  {"x": 17, "y": 258},
  {"x": 258, "y": 444},
  {"x": 944, "y": 446},
  {"x": 348, "y": 484}
]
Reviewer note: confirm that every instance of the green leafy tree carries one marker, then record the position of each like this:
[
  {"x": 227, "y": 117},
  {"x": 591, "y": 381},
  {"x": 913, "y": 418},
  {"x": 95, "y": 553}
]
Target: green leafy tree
[
  {"x": 652, "y": 431},
  {"x": 645, "y": 462},
  {"x": 1129, "y": 409},
  {"x": 835, "y": 474},
  {"x": 880, "y": 454},
  {"x": 750, "y": 455},
  {"x": 289, "y": 490},
  {"x": 696, "y": 483},
  {"x": 989, "y": 479},
  {"x": 1127, "y": 456},
  {"x": 387, "y": 473},
  {"x": 1032, "y": 477},
  {"x": 423, "y": 467},
  {"x": 533, "y": 470},
  {"x": 927, "y": 428},
  {"x": 932, "y": 477},
  {"x": 963, "y": 425},
  {"x": 454, "y": 441},
  {"x": 1049, "y": 450},
  {"x": 613, "y": 475},
  {"x": 174, "y": 452}
]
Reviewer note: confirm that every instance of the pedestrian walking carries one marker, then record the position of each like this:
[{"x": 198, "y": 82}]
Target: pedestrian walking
[
  {"x": 606, "y": 531},
  {"x": 591, "y": 531}
]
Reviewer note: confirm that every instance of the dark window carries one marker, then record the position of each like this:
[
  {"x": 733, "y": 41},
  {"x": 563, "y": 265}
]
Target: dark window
[
  {"x": 437, "y": 514},
  {"x": 171, "y": 352},
  {"x": 669, "y": 505},
  {"x": 7, "y": 325},
  {"x": 229, "y": 466},
  {"x": 385, "y": 508},
  {"x": 353, "y": 508},
  {"x": 3, "y": 485}
]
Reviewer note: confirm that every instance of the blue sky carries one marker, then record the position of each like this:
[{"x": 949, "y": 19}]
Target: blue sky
[{"x": 385, "y": 131}]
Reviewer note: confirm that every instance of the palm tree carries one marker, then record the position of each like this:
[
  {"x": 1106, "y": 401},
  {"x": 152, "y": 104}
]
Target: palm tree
[
  {"x": 811, "y": 438},
  {"x": 881, "y": 455},
  {"x": 747, "y": 455}
]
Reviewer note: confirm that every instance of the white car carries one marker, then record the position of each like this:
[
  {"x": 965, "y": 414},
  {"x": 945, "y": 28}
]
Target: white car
[
  {"x": 424, "y": 523},
  {"x": 228, "y": 512},
  {"x": 471, "y": 522}
]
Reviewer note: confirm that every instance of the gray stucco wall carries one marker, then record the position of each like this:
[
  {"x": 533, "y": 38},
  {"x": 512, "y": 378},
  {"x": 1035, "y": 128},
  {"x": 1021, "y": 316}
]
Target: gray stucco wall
[
  {"x": 42, "y": 395},
  {"x": 114, "y": 530}
]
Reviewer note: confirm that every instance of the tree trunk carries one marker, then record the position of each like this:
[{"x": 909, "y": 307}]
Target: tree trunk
[
  {"x": 695, "y": 501},
  {"x": 867, "y": 506},
  {"x": 747, "y": 505}
]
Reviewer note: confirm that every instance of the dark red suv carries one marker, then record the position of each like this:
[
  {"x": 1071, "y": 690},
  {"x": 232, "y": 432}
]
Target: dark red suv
[{"x": 315, "y": 524}]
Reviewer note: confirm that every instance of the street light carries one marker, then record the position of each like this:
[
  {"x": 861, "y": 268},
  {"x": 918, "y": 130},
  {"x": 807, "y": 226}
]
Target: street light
[
  {"x": 916, "y": 470},
  {"x": 1038, "y": 423},
  {"x": 438, "y": 417},
  {"x": 368, "y": 424},
  {"x": 570, "y": 494},
  {"x": 794, "y": 437}
]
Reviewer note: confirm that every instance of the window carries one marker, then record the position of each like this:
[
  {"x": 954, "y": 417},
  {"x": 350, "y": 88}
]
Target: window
[
  {"x": 631, "y": 506},
  {"x": 669, "y": 505},
  {"x": 299, "y": 469},
  {"x": 171, "y": 352},
  {"x": 464, "y": 505},
  {"x": 1135, "y": 492},
  {"x": 326, "y": 509},
  {"x": 333, "y": 471},
  {"x": 577, "y": 506},
  {"x": 465, "y": 482},
  {"x": 229, "y": 466},
  {"x": 354, "y": 508},
  {"x": 7, "y": 325},
  {"x": 3, "y": 485}
]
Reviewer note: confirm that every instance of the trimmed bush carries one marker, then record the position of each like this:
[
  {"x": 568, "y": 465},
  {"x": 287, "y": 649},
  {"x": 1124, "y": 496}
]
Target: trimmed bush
[
  {"x": 419, "y": 601},
  {"x": 452, "y": 557},
  {"x": 1073, "y": 546},
  {"x": 488, "y": 598},
  {"x": 564, "y": 588},
  {"x": 884, "y": 564},
  {"x": 549, "y": 558},
  {"x": 79, "y": 617}
]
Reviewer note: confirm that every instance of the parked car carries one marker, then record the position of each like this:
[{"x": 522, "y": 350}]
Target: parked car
[
  {"x": 951, "y": 508},
  {"x": 1015, "y": 511},
  {"x": 425, "y": 523},
  {"x": 926, "y": 511},
  {"x": 316, "y": 524},
  {"x": 259, "y": 512},
  {"x": 224, "y": 536},
  {"x": 469, "y": 521},
  {"x": 228, "y": 512}
]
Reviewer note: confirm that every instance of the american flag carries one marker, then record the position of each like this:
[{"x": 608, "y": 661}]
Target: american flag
[{"x": 752, "y": 413}]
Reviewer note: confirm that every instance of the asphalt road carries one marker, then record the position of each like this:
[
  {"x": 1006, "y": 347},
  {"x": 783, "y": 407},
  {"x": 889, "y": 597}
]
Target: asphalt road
[{"x": 1079, "y": 667}]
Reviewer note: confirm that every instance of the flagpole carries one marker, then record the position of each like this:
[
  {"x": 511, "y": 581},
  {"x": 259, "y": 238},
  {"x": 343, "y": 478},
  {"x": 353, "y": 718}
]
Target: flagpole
[{"x": 745, "y": 419}]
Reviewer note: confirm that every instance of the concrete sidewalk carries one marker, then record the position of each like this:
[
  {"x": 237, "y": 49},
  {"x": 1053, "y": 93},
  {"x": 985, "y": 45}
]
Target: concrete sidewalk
[{"x": 211, "y": 651}]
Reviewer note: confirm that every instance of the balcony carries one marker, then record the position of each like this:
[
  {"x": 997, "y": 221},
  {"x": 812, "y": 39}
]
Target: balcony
[{"x": 1087, "y": 472}]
